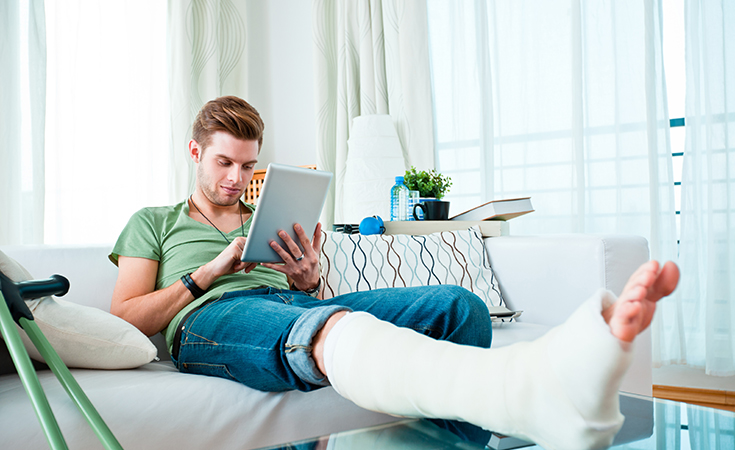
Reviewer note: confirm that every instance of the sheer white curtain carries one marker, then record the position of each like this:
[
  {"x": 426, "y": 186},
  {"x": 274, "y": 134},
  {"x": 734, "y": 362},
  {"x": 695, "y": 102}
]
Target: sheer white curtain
[
  {"x": 559, "y": 100},
  {"x": 206, "y": 59},
  {"x": 698, "y": 330},
  {"x": 22, "y": 115},
  {"x": 371, "y": 57},
  {"x": 106, "y": 127}
]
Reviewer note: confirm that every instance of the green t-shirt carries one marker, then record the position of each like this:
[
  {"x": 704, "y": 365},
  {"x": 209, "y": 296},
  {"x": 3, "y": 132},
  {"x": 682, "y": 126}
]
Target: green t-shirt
[{"x": 181, "y": 245}]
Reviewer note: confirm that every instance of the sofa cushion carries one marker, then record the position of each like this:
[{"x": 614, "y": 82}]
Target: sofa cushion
[
  {"x": 353, "y": 263},
  {"x": 83, "y": 336},
  {"x": 157, "y": 407}
]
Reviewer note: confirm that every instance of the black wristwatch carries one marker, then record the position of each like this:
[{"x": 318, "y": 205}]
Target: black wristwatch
[{"x": 314, "y": 292}]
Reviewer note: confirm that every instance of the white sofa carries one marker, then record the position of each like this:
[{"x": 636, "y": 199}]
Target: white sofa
[{"x": 155, "y": 407}]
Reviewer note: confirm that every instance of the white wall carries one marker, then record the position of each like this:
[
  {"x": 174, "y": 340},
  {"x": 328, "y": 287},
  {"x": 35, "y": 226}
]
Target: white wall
[{"x": 281, "y": 79}]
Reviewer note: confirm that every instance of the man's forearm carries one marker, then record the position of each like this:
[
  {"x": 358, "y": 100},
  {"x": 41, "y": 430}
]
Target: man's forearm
[
  {"x": 136, "y": 300},
  {"x": 153, "y": 312}
]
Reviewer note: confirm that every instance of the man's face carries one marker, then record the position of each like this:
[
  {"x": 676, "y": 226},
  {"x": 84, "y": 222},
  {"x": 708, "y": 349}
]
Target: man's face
[{"x": 225, "y": 168}]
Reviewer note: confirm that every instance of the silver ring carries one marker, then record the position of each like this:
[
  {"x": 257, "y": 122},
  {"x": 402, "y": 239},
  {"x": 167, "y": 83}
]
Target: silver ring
[{"x": 300, "y": 257}]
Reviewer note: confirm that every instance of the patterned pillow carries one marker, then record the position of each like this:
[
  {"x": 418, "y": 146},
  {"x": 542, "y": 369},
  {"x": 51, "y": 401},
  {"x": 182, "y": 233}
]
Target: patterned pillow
[{"x": 353, "y": 263}]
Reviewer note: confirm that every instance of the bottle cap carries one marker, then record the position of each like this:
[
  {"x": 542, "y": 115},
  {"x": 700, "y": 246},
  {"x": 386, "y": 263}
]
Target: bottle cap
[{"x": 399, "y": 179}]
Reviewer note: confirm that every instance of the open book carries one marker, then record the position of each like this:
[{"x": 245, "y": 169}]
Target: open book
[
  {"x": 503, "y": 314},
  {"x": 497, "y": 210}
]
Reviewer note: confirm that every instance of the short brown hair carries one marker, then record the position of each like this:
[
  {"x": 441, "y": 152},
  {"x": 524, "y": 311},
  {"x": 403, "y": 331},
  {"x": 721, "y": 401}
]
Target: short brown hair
[{"x": 230, "y": 114}]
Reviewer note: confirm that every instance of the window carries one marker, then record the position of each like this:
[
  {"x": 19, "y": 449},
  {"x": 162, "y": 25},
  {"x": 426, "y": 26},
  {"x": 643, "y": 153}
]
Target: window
[
  {"x": 674, "y": 65},
  {"x": 106, "y": 116},
  {"x": 551, "y": 100}
]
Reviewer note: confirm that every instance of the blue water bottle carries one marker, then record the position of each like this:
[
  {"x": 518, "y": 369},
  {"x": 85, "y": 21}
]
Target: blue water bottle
[{"x": 399, "y": 201}]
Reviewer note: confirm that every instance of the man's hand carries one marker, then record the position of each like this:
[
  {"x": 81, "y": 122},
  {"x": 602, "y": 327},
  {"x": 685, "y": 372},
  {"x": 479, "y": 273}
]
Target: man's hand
[
  {"x": 226, "y": 262},
  {"x": 303, "y": 269},
  {"x": 136, "y": 299}
]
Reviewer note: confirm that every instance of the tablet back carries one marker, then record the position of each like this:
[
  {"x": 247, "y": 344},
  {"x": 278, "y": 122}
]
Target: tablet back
[{"x": 290, "y": 195}]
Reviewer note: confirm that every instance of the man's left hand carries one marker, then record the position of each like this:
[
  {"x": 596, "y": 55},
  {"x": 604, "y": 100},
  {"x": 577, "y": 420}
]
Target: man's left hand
[{"x": 302, "y": 268}]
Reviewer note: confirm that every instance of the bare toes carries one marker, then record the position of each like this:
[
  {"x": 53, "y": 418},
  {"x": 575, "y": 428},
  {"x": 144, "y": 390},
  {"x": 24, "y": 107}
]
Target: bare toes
[
  {"x": 626, "y": 321},
  {"x": 665, "y": 283},
  {"x": 639, "y": 284}
]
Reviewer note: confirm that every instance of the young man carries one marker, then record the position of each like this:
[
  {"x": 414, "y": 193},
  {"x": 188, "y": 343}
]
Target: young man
[{"x": 413, "y": 351}]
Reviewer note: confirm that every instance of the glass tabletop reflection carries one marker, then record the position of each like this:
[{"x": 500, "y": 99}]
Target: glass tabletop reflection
[{"x": 649, "y": 424}]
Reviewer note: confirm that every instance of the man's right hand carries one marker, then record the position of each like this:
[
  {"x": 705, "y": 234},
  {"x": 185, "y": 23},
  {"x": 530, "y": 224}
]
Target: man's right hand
[
  {"x": 225, "y": 263},
  {"x": 137, "y": 301}
]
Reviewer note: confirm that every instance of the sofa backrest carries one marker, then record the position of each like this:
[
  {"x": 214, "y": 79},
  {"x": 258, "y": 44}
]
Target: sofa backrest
[{"x": 91, "y": 274}]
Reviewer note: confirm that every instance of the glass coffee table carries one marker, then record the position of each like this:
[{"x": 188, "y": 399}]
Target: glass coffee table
[{"x": 649, "y": 424}]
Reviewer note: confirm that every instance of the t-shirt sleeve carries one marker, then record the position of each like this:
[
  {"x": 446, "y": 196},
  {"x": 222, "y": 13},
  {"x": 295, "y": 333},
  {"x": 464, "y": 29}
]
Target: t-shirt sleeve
[{"x": 138, "y": 239}]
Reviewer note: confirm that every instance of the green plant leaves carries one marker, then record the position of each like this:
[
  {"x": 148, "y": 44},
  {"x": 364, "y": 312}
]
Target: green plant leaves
[{"x": 429, "y": 184}]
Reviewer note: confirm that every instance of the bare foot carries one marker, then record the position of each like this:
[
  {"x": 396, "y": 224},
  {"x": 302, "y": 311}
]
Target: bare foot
[{"x": 633, "y": 311}]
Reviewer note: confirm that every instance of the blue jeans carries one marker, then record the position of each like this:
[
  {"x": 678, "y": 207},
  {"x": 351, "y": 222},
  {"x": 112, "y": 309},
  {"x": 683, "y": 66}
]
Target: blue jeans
[{"x": 262, "y": 338}]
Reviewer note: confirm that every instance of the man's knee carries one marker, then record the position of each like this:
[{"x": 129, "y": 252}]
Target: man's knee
[{"x": 468, "y": 315}]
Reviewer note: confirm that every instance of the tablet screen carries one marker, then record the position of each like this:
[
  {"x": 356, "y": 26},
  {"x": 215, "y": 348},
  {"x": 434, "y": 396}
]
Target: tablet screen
[{"x": 289, "y": 195}]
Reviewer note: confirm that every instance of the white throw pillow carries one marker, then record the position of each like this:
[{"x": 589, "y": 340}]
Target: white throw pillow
[
  {"x": 83, "y": 336},
  {"x": 353, "y": 262}
]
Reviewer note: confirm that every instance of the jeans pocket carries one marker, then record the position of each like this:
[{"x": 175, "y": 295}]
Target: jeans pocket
[
  {"x": 212, "y": 370},
  {"x": 287, "y": 299}
]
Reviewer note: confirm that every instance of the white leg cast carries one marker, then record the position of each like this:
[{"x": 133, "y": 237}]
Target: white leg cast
[{"x": 560, "y": 391}]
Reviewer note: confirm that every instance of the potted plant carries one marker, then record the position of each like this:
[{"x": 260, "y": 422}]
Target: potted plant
[
  {"x": 432, "y": 187},
  {"x": 430, "y": 184}
]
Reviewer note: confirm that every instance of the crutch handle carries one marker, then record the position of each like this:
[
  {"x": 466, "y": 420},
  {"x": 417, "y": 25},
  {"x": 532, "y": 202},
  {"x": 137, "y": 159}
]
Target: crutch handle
[
  {"x": 16, "y": 292},
  {"x": 55, "y": 285}
]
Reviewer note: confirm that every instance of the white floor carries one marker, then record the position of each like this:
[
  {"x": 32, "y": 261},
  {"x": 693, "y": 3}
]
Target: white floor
[{"x": 691, "y": 378}]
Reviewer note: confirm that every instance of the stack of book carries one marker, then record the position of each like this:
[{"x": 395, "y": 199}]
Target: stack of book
[{"x": 491, "y": 217}]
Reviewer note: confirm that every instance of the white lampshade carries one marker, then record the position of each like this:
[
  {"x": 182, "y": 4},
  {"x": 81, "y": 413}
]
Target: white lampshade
[{"x": 374, "y": 160}]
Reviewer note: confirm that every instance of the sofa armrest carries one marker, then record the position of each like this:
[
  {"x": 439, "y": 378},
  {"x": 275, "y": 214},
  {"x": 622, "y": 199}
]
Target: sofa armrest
[{"x": 548, "y": 277}]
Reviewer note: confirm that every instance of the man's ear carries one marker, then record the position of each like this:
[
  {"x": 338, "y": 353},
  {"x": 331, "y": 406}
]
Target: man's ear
[{"x": 195, "y": 151}]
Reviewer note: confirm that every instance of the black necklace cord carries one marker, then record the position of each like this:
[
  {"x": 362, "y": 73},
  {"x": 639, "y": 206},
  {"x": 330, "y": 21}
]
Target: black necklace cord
[{"x": 239, "y": 208}]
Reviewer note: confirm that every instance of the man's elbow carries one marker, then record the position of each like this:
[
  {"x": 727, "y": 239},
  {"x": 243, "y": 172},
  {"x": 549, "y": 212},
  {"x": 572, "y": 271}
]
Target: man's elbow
[{"x": 120, "y": 310}]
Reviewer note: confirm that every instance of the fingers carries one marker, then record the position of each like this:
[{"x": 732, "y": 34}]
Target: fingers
[
  {"x": 310, "y": 246},
  {"x": 239, "y": 243},
  {"x": 291, "y": 250},
  {"x": 294, "y": 249},
  {"x": 303, "y": 238},
  {"x": 316, "y": 240},
  {"x": 301, "y": 267}
]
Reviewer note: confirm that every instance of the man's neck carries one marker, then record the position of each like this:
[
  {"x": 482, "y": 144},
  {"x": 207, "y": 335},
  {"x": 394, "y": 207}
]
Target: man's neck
[{"x": 213, "y": 210}]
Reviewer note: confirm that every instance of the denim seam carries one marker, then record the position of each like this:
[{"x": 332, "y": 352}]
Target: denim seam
[
  {"x": 286, "y": 299},
  {"x": 211, "y": 342},
  {"x": 219, "y": 366},
  {"x": 208, "y": 341},
  {"x": 192, "y": 320}
]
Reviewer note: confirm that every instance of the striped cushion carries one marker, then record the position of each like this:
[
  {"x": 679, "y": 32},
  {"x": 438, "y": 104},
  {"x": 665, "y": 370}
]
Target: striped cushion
[{"x": 353, "y": 263}]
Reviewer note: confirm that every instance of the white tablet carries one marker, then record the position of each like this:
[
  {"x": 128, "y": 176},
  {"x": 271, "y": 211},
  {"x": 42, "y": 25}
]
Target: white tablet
[{"x": 289, "y": 195}]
